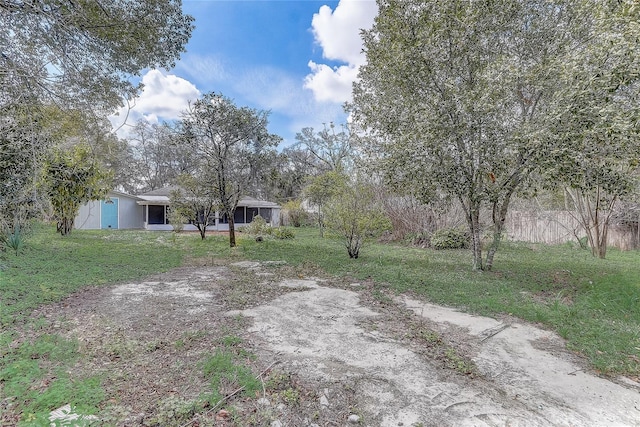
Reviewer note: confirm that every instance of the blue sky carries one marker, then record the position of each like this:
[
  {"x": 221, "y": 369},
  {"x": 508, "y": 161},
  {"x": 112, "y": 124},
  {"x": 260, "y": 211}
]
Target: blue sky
[{"x": 294, "y": 58}]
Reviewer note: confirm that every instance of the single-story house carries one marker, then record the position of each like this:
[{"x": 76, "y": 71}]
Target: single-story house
[{"x": 150, "y": 211}]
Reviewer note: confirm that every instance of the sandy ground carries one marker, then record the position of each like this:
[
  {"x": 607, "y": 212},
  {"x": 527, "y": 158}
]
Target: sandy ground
[
  {"x": 340, "y": 356},
  {"x": 318, "y": 330}
]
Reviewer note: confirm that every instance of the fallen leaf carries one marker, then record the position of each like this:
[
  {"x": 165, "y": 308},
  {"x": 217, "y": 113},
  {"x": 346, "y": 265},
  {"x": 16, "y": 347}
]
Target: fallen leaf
[{"x": 222, "y": 414}]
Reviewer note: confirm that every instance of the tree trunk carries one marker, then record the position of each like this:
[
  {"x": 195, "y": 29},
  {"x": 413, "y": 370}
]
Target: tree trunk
[
  {"x": 472, "y": 215},
  {"x": 232, "y": 230},
  {"x": 602, "y": 244},
  {"x": 353, "y": 247},
  {"x": 476, "y": 241},
  {"x": 477, "y": 249},
  {"x": 493, "y": 248},
  {"x": 499, "y": 217},
  {"x": 203, "y": 231},
  {"x": 65, "y": 225}
]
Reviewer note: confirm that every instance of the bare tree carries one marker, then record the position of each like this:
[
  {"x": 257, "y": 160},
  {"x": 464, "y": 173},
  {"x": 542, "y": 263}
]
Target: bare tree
[{"x": 330, "y": 150}]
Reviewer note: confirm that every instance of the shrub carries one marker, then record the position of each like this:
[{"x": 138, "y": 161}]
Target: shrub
[
  {"x": 422, "y": 239},
  {"x": 257, "y": 227},
  {"x": 355, "y": 214},
  {"x": 177, "y": 220},
  {"x": 450, "y": 238},
  {"x": 13, "y": 239},
  {"x": 282, "y": 233},
  {"x": 293, "y": 214}
]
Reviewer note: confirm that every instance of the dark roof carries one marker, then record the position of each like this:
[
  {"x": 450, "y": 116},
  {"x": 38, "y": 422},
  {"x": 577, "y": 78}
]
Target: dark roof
[{"x": 165, "y": 191}]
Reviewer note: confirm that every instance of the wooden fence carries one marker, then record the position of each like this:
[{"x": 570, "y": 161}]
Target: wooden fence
[{"x": 553, "y": 227}]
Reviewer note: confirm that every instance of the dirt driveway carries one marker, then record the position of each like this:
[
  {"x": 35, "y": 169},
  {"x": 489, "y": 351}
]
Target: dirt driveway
[{"x": 327, "y": 351}]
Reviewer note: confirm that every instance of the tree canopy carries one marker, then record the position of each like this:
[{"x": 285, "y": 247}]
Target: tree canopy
[
  {"x": 595, "y": 122},
  {"x": 23, "y": 146},
  {"x": 72, "y": 178},
  {"x": 322, "y": 188},
  {"x": 66, "y": 65},
  {"x": 81, "y": 53},
  {"x": 457, "y": 97}
]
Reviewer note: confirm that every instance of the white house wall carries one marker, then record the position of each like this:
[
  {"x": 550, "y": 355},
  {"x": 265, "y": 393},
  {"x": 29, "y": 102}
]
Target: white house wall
[
  {"x": 130, "y": 214},
  {"x": 275, "y": 217},
  {"x": 88, "y": 217}
]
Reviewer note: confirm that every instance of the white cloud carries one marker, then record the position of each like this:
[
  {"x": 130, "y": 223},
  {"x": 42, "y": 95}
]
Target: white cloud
[
  {"x": 338, "y": 34},
  {"x": 338, "y": 31},
  {"x": 331, "y": 84},
  {"x": 164, "y": 96}
]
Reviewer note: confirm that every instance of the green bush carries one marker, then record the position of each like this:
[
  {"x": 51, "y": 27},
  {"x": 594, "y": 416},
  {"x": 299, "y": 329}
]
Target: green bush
[
  {"x": 294, "y": 213},
  {"x": 12, "y": 239},
  {"x": 177, "y": 220},
  {"x": 282, "y": 233},
  {"x": 257, "y": 227},
  {"x": 422, "y": 238},
  {"x": 450, "y": 238}
]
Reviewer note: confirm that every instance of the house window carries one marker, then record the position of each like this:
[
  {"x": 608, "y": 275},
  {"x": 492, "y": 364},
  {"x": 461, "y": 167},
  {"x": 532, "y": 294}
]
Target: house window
[
  {"x": 211, "y": 219},
  {"x": 156, "y": 214},
  {"x": 251, "y": 213},
  {"x": 238, "y": 215},
  {"x": 224, "y": 219},
  {"x": 266, "y": 214}
]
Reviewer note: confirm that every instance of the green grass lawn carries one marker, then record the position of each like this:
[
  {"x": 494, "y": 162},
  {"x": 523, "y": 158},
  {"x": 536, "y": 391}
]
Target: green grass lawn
[
  {"x": 593, "y": 303},
  {"x": 50, "y": 266}
]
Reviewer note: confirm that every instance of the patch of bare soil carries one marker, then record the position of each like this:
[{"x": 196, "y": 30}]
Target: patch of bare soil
[{"x": 325, "y": 351}]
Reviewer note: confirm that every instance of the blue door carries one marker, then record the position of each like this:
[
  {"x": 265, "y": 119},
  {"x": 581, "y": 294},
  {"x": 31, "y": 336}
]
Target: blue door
[{"x": 109, "y": 213}]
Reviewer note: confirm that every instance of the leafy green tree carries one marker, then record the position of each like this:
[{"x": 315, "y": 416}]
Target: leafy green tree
[
  {"x": 295, "y": 213},
  {"x": 452, "y": 98},
  {"x": 321, "y": 189},
  {"x": 158, "y": 157},
  {"x": 23, "y": 147},
  {"x": 356, "y": 215},
  {"x": 80, "y": 53},
  {"x": 196, "y": 201},
  {"x": 115, "y": 154},
  {"x": 77, "y": 56},
  {"x": 228, "y": 143},
  {"x": 288, "y": 173},
  {"x": 72, "y": 178},
  {"x": 595, "y": 121}
]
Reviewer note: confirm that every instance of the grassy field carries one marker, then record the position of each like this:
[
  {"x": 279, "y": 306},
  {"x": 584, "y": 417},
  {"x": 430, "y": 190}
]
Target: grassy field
[
  {"x": 594, "y": 304},
  {"x": 50, "y": 266}
]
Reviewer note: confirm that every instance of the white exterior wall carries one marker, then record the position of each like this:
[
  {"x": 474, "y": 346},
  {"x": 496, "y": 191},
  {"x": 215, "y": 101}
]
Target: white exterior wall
[
  {"x": 275, "y": 217},
  {"x": 130, "y": 214},
  {"x": 88, "y": 217}
]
